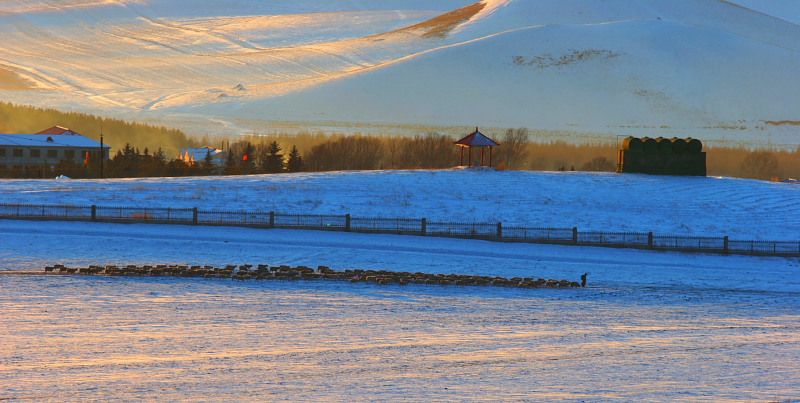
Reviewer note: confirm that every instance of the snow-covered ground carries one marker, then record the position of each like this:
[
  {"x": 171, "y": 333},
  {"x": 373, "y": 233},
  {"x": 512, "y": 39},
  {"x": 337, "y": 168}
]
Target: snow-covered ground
[
  {"x": 666, "y": 205},
  {"x": 650, "y": 326},
  {"x": 705, "y": 68}
]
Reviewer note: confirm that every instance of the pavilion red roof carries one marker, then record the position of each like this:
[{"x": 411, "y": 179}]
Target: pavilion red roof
[{"x": 476, "y": 139}]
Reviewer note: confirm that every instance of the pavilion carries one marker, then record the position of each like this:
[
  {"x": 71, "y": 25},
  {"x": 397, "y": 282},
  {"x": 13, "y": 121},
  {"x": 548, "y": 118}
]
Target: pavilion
[{"x": 478, "y": 140}]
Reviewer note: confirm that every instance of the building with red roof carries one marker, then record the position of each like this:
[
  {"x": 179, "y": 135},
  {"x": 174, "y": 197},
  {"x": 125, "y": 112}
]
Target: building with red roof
[{"x": 43, "y": 150}]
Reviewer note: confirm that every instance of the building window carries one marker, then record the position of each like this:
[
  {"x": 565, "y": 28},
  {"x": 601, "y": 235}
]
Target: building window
[
  {"x": 2, "y": 152},
  {"x": 36, "y": 153},
  {"x": 52, "y": 153},
  {"x": 69, "y": 155},
  {"x": 17, "y": 152}
]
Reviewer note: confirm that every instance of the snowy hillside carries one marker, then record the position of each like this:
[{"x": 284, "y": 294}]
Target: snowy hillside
[
  {"x": 787, "y": 10},
  {"x": 705, "y": 68},
  {"x": 695, "y": 206}
]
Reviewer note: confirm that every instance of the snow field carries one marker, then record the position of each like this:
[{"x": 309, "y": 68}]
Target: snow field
[
  {"x": 650, "y": 326},
  {"x": 692, "y": 206}
]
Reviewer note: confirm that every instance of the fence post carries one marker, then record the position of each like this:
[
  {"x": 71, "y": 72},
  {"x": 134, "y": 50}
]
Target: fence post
[
  {"x": 650, "y": 240},
  {"x": 194, "y": 215},
  {"x": 499, "y": 230},
  {"x": 347, "y": 222},
  {"x": 94, "y": 212},
  {"x": 725, "y": 244},
  {"x": 272, "y": 219},
  {"x": 575, "y": 235},
  {"x": 424, "y": 229}
]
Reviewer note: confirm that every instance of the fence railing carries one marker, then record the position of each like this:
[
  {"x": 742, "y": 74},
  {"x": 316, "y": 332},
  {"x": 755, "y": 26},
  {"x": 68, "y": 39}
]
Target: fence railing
[
  {"x": 410, "y": 226},
  {"x": 462, "y": 229},
  {"x": 539, "y": 235},
  {"x": 633, "y": 239},
  {"x": 217, "y": 217},
  {"x": 387, "y": 225},
  {"x": 165, "y": 215}
]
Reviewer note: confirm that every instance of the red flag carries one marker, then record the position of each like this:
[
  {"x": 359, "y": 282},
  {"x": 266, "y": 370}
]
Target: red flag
[{"x": 87, "y": 159}]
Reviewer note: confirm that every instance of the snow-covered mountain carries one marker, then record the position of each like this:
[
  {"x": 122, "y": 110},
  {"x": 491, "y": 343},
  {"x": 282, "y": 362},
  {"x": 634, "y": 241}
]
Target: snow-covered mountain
[{"x": 704, "y": 68}]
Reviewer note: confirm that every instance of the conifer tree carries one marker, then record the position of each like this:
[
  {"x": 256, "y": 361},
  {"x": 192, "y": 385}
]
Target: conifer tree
[
  {"x": 274, "y": 161},
  {"x": 231, "y": 166},
  {"x": 208, "y": 164},
  {"x": 248, "y": 161},
  {"x": 295, "y": 161}
]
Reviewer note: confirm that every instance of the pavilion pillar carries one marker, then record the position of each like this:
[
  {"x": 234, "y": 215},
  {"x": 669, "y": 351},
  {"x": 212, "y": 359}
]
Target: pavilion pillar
[
  {"x": 490, "y": 156},
  {"x": 470, "y": 157},
  {"x": 482, "y": 151},
  {"x": 462, "y": 156}
]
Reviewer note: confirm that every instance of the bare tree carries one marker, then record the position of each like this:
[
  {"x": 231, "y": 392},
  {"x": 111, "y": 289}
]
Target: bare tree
[
  {"x": 513, "y": 148},
  {"x": 393, "y": 147},
  {"x": 346, "y": 153},
  {"x": 432, "y": 150},
  {"x": 760, "y": 165},
  {"x": 598, "y": 164}
]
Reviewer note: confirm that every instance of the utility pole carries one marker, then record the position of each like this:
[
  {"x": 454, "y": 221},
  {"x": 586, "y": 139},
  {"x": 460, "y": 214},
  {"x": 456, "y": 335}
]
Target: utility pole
[{"x": 101, "y": 152}]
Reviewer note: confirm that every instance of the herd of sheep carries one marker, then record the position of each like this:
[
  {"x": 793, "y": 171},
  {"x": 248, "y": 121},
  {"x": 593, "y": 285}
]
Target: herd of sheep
[{"x": 284, "y": 272}]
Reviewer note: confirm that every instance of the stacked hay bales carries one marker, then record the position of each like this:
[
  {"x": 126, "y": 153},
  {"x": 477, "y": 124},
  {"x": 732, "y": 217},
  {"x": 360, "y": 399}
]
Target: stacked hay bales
[{"x": 662, "y": 156}]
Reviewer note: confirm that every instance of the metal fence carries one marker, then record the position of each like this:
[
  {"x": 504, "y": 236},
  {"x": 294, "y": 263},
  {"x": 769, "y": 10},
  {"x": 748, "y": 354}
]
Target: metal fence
[
  {"x": 45, "y": 211},
  {"x": 177, "y": 215},
  {"x": 310, "y": 221},
  {"x": 388, "y": 225},
  {"x": 488, "y": 231},
  {"x": 690, "y": 243},
  {"x": 462, "y": 229},
  {"x": 219, "y": 217},
  {"x": 629, "y": 239},
  {"x": 540, "y": 235},
  {"x": 775, "y": 248}
]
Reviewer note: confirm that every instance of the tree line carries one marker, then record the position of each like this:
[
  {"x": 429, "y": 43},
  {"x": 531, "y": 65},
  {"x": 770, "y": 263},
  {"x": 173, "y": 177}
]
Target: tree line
[
  {"x": 28, "y": 120},
  {"x": 428, "y": 151},
  {"x": 323, "y": 152}
]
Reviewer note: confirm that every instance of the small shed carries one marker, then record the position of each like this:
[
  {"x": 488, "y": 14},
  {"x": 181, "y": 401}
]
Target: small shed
[{"x": 476, "y": 139}]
